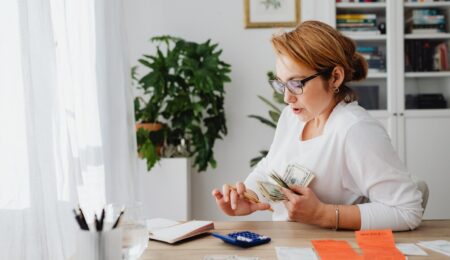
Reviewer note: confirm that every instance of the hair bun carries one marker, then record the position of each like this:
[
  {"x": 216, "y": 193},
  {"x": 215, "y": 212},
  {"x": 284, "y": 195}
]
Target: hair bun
[{"x": 359, "y": 67}]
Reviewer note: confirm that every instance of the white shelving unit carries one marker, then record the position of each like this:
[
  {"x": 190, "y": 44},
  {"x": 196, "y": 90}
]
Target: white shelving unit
[
  {"x": 427, "y": 36},
  {"x": 380, "y": 79},
  {"x": 376, "y": 75},
  {"x": 363, "y": 37},
  {"x": 421, "y": 136},
  {"x": 424, "y": 142},
  {"x": 428, "y": 74}
]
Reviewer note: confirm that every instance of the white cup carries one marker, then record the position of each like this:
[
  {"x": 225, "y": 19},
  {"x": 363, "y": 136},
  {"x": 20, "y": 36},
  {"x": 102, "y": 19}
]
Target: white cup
[{"x": 104, "y": 245}]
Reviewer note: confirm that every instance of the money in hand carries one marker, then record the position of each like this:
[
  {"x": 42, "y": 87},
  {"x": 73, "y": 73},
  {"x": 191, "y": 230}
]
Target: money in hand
[
  {"x": 295, "y": 175},
  {"x": 298, "y": 175},
  {"x": 271, "y": 191}
]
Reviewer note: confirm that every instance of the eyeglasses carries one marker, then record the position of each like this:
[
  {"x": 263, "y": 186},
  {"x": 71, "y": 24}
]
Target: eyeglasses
[{"x": 294, "y": 86}]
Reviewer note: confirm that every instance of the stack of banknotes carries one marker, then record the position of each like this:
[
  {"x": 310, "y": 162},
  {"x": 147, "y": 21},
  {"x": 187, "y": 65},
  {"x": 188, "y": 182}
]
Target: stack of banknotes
[{"x": 295, "y": 175}]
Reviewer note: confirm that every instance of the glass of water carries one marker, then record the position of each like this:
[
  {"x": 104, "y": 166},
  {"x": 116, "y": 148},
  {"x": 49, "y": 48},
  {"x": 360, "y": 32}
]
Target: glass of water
[{"x": 135, "y": 234}]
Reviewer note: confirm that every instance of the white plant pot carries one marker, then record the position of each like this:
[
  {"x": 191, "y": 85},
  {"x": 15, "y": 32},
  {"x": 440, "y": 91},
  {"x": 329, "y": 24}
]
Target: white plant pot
[{"x": 165, "y": 191}]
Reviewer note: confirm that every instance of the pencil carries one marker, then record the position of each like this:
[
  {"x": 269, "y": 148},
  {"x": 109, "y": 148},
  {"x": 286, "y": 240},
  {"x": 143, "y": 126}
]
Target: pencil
[
  {"x": 83, "y": 219},
  {"x": 249, "y": 196},
  {"x": 118, "y": 218}
]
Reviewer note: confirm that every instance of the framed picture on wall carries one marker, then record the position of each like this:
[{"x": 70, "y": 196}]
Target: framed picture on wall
[{"x": 271, "y": 13}]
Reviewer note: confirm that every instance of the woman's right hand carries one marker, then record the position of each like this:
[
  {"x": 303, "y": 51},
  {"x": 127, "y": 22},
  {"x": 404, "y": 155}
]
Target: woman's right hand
[{"x": 233, "y": 202}]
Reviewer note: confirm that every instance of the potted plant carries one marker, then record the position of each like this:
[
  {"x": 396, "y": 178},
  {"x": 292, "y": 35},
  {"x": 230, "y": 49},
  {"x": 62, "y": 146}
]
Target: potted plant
[
  {"x": 274, "y": 115},
  {"x": 183, "y": 94}
]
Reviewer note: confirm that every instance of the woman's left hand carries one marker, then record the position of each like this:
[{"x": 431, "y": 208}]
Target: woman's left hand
[{"x": 303, "y": 205}]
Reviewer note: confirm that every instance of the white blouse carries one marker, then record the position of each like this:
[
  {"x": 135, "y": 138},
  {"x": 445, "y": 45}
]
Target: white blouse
[{"x": 353, "y": 159}]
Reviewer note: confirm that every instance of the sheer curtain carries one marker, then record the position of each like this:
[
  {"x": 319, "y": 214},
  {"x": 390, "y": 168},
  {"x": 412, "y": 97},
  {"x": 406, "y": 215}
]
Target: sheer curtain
[{"x": 66, "y": 133}]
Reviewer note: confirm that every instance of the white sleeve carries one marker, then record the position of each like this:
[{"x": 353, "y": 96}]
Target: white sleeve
[
  {"x": 379, "y": 174},
  {"x": 262, "y": 169}
]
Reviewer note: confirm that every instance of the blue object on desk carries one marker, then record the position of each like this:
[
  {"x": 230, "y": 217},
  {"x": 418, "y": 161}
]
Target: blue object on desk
[{"x": 243, "y": 238}]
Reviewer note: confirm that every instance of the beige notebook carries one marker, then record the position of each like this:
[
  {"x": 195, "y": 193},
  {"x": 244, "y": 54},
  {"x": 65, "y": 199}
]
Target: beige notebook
[{"x": 171, "y": 231}]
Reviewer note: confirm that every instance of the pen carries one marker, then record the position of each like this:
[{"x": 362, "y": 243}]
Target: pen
[
  {"x": 102, "y": 219},
  {"x": 77, "y": 218},
  {"x": 97, "y": 223},
  {"x": 83, "y": 220},
  {"x": 248, "y": 196},
  {"x": 118, "y": 218}
]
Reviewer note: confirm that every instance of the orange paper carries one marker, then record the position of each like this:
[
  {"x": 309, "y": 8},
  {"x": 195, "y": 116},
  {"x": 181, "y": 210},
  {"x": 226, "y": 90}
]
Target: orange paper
[
  {"x": 335, "y": 249},
  {"x": 378, "y": 244}
]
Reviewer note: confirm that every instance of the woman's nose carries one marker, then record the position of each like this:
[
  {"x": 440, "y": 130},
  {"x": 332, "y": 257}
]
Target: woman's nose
[{"x": 289, "y": 97}]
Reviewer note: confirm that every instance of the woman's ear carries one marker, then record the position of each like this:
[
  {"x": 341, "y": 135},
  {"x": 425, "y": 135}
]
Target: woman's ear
[{"x": 337, "y": 77}]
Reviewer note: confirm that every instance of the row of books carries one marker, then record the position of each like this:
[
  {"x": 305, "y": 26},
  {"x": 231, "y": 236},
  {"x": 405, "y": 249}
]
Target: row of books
[
  {"x": 369, "y": 98},
  {"x": 425, "y": 101},
  {"x": 374, "y": 57},
  {"x": 426, "y": 55},
  {"x": 357, "y": 23},
  {"x": 425, "y": 21}
]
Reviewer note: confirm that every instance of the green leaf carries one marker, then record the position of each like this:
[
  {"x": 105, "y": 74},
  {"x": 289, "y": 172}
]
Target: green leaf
[
  {"x": 269, "y": 103},
  {"x": 279, "y": 98},
  {"x": 256, "y": 160},
  {"x": 148, "y": 152},
  {"x": 184, "y": 89},
  {"x": 264, "y": 120},
  {"x": 274, "y": 115}
]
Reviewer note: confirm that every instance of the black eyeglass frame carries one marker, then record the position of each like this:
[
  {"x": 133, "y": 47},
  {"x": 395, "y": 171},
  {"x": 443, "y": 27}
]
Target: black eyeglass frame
[{"x": 280, "y": 87}]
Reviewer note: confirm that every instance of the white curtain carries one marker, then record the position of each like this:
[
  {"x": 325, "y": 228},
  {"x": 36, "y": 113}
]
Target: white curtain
[{"x": 66, "y": 133}]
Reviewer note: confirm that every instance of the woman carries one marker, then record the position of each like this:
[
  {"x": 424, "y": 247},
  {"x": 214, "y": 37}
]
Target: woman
[{"x": 325, "y": 130}]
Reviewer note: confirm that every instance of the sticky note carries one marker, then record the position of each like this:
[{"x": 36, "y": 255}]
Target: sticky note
[
  {"x": 378, "y": 244},
  {"x": 335, "y": 249}
]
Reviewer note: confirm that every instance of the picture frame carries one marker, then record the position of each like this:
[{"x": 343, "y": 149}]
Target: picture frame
[{"x": 271, "y": 13}]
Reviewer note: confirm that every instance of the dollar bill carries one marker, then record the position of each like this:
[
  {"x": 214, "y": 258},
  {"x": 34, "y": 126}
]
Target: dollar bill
[
  {"x": 298, "y": 175},
  {"x": 295, "y": 175},
  {"x": 271, "y": 191}
]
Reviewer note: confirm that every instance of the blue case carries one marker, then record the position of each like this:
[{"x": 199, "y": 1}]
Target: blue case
[{"x": 243, "y": 238}]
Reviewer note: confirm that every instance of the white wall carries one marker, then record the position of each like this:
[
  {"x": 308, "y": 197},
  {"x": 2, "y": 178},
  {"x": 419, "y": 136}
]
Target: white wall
[{"x": 250, "y": 55}]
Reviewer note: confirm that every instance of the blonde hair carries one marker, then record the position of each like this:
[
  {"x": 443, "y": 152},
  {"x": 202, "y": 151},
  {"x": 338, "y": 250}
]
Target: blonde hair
[{"x": 321, "y": 47}]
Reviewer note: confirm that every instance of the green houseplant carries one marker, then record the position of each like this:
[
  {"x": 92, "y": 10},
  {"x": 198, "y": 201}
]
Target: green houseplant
[
  {"x": 274, "y": 114},
  {"x": 183, "y": 91}
]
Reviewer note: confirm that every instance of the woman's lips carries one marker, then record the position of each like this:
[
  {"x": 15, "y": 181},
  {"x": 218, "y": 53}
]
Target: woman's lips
[{"x": 297, "y": 110}]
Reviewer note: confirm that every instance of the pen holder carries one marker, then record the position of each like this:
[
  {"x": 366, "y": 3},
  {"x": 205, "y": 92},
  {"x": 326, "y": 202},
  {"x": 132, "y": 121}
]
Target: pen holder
[{"x": 104, "y": 245}]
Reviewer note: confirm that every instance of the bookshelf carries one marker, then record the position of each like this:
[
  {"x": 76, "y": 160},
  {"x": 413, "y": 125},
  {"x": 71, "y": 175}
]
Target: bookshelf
[
  {"x": 419, "y": 133},
  {"x": 360, "y": 21}
]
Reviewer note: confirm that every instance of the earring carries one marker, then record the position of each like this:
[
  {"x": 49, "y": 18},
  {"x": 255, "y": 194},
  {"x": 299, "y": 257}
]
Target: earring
[{"x": 336, "y": 90}]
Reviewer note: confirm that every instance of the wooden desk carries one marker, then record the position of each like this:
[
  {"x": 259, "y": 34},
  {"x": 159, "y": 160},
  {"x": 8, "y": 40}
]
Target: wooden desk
[{"x": 284, "y": 234}]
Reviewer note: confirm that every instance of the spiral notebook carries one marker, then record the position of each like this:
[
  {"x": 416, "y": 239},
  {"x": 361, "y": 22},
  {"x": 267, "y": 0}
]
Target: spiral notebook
[{"x": 171, "y": 231}]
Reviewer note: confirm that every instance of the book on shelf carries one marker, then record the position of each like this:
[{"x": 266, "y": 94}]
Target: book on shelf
[
  {"x": 355, "y": 33},
  {"x": 357, "y": 24},
  {"x": 426, "y": 55},
  {"x": 426, "y": 30},
  {"x": 425, "y": 101},
  {"x": 420, "y": 21},
  {"x": 356, "y": 16},
  {"x": 440, "y": 58},
  {"x": 374, "y": 57},
  {"x": 171, "y": 231}
]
